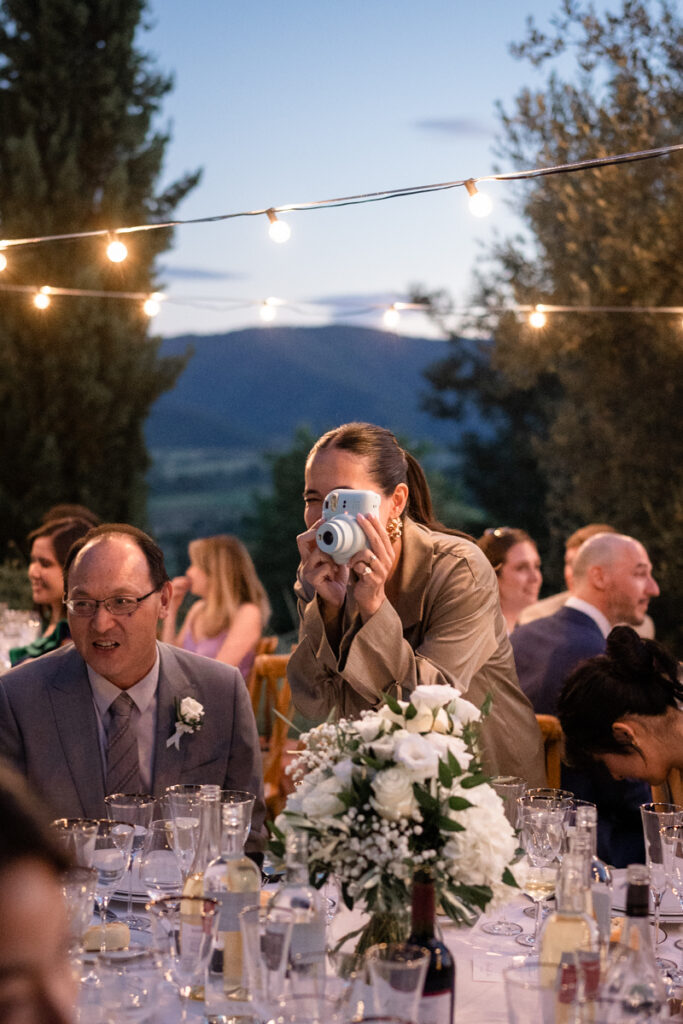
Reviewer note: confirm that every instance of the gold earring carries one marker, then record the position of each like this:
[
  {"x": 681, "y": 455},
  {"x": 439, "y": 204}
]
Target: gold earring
[{"x": 395, "y": 528}]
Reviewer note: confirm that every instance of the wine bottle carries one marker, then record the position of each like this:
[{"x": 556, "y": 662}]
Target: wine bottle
[
  {"x": 234, "y": 880},
  {"x": 209, "y": 842},
  {"x": 307, "y": 949},
  {"x": 633, "y": 983},
  {"x": 438, "y": 995}
]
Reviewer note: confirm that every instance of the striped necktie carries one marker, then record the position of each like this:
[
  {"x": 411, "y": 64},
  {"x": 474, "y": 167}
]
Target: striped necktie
[{"x": 123, "y": 768}]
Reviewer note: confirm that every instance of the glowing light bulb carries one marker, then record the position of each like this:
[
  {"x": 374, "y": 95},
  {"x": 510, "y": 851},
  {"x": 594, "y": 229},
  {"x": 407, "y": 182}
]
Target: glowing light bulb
[
  {"x": 151, "y": 306},
  {"x": 3, "y": 262},
  {"x": 391, "y": 318},
  {"x": 538, "y": 318},
  {"x": 41, "y": 300},
  {"x": 117, "y": 251},
  {"x": 479, "y": 203},
  {"x": 279, "y": 230},
  {"x": 268, "y": 310}
]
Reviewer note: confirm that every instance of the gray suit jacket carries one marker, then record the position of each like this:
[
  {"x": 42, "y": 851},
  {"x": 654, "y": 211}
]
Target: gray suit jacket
[{"x": 48, "y": 730}]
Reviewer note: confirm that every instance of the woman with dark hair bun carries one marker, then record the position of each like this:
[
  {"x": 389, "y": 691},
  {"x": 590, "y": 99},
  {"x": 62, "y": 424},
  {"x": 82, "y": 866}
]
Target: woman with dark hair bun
[
  {"x": 418, "y": 604},
  {"x": 625, "y": 708}
]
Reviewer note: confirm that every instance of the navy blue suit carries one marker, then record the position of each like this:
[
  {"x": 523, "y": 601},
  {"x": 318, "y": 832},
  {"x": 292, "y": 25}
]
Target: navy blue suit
[{"x": 546, "y": 651}]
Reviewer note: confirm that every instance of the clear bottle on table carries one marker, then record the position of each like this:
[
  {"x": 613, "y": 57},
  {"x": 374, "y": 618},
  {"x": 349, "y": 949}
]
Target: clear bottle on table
[
  {"x": 307, "y": 948},
  {"x": 235, "y": 881},
  {"x": 437, "y": 1005},
  {"x": 633, "y": 983},
  {"x": 209, "y": 842},
  {"x": 570, "y": 928}
]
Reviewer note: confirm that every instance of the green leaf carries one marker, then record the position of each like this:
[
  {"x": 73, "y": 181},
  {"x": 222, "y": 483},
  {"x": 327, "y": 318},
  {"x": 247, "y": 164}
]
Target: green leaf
[
  {"x": 474, "y": 780},
  {"x": 458, "y": 803},
  {"x": 509, "y": 878},
  {"x": 448, "y": 825},
  {"x": 410, "y": 712},
  {"x": 454, "y": 764},
  {"x": 445, "y": 775},
  {"x": 392, "y": 703}
]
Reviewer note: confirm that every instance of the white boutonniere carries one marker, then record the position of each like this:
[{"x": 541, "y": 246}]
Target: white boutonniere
[{"x": 189, "y": 715}]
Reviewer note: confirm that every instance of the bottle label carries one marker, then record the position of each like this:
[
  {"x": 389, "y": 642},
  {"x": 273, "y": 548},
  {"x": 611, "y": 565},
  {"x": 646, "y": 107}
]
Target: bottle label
[
  {"x": 436, "y": 1009},
  {"x": 230, "y": 904}
]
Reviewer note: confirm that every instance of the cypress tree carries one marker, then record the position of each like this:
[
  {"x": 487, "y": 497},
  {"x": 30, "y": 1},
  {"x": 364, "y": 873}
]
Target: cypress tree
[{"x": 79, "y": 150}]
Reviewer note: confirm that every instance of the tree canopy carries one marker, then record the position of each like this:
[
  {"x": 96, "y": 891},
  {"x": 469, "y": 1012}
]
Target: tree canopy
[
  {"x": 584, "y": 412},
  {"x": 79, "y": 150}
]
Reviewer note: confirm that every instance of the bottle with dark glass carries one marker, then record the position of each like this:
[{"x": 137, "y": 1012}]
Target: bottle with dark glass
[
  {"x": 634, "y": 985},
  {"x": 438, "y": 998}
]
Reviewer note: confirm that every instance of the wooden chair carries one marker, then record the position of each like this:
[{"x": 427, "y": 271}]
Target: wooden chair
[
  {"x": 270, "y": 692},
  {"x": 266, "y": 645},
  {"x": 551, "y": 730}
]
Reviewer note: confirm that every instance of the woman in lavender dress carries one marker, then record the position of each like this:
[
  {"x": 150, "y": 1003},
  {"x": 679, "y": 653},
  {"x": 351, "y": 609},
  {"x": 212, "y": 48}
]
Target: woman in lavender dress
[{"x": 227, "y": 621}]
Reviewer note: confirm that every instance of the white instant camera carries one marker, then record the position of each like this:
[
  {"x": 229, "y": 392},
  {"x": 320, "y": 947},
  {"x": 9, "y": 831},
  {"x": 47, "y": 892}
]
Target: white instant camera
[{"x": 340, "y": 535}]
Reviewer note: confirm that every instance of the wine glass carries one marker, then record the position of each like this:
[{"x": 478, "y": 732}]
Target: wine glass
[
  {"x": 159, "y": 868},
  {"x": 113, "y": 843},
  {"x": 510, "y": 789},
  {"x": 78, "y": 885},
  {"x": 655, "y": 817},
  {"x": 135, "y": 809},
  {"x": 76, "y": 836},
  {"x": 184, "y": 930},
  {"x": 542, "y": 836},
  {"x": 183, "y": 802}
]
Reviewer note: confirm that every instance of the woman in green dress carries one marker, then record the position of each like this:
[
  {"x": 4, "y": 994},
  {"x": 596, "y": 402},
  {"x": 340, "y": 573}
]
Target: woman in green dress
[{"x": 49, "y": 546}]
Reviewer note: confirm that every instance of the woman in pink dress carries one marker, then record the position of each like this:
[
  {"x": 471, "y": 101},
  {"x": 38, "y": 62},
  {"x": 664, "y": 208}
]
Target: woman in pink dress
[{"x": 227, "y": 621}]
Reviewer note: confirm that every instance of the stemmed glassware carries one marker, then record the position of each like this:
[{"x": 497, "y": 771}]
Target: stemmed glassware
[
  {"x": 113, "y": 844},
  {"x": 183, "y": 802},
  {"x": 159, "y": 868},
  {"x": 542, "y": 836},
  {"x": 656, "y": 817},
  {"x": 510, "y": 789},
  {"x": 184, "y": 930},
  {"x": 136, "y": 809},
  {"x": 77, "y": 838}
]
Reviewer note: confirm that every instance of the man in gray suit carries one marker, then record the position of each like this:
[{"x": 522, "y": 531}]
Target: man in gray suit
[{"x": 101, "y": 715}]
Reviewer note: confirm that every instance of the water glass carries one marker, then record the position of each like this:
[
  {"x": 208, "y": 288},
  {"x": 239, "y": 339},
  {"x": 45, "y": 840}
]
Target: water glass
[
  {"x": 159, "y": 868},
  {"x": 77, "y": 836},
  {"x": 78, "y": 886},
  {"x": 246, "y": 800},
  {"x": 397, "y": 974},
  {"x": 531, "y": 994},
  {"x": 128, "y": 984},
  {"x": 113, "y": 844},
  {"x": 135, "y": 809},
  {"x": 183, "y": 802},
  {"x": 266, "y": 936},
  {"x": 510, "y": 789},
  {"x": 655, "y": 818},
  {"x": 184, "y": 931}
]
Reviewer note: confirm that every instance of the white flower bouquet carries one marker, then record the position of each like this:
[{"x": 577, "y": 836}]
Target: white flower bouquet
[{"x": 400, "y": 791}]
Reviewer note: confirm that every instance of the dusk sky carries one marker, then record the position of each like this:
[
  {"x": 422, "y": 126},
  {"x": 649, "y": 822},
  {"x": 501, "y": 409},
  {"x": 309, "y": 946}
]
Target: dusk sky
[{"x": 300, "y": 101}]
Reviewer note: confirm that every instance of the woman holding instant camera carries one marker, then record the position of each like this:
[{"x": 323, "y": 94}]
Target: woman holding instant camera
[{"x": 410, "y": 602}]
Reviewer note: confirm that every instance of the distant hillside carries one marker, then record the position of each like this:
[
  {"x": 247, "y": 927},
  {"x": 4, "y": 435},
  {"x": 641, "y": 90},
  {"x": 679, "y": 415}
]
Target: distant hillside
[{"x": 251, "y": 389}]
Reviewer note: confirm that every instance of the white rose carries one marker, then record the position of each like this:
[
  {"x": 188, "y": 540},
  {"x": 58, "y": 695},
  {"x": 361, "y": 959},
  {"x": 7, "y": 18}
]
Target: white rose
[
  {"x": 422, "y": 722},
  {"x": 369, "y": 726},
  {"x": 442, "y": 722},
  {"x": 191, "y": 710},
  {"x": 388, "y": 715},
  {"x": 466, "y": 712},
  {"x": 383, "y": 747},
  {"x": 453, "y": 744},
  {"x": 432, "y": 696},
  {"x": 419, "y": 757},
  {"x": 323, "y": 801},
  {"x": 393, "y": 794}
]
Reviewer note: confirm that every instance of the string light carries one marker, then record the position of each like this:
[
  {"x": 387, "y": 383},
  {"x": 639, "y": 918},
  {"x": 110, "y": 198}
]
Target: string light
[
  {"x": 368, "y": 197},
  {"x": 538, "y": 318},
  {"x": 41, "y": 300},
  {"x": 391, "y": 318},
  {"x": 279, "y": 230},
  {"x": 479, "y": 203},
  {"x": 3, "y": 261},
  {"x": 116, "y": 250},
  {"x": 152, "y": 305}
]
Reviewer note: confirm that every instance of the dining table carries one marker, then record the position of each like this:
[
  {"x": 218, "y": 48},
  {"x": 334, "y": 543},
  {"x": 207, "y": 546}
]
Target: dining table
[{"x": 480, "y": 959}]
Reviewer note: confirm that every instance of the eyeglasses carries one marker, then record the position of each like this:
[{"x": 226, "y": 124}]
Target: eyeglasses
[{"x": 85, "y": 607}]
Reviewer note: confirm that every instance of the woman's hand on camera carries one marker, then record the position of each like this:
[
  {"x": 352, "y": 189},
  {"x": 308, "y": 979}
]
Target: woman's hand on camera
[
  {"x": 372, "y": 566},
  {"x": 321, "y": 572}
]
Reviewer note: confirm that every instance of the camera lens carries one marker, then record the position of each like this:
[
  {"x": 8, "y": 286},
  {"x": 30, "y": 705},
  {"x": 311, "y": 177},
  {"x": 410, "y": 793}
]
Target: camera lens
[{"x": 327, "y": 538}]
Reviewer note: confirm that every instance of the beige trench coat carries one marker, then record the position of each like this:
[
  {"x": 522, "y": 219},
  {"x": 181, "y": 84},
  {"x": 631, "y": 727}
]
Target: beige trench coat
[{"x": 446, "y": 627}]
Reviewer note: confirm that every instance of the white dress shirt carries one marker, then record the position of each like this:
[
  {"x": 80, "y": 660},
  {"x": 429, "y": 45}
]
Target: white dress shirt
[{"x": 144, "y": 695}]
